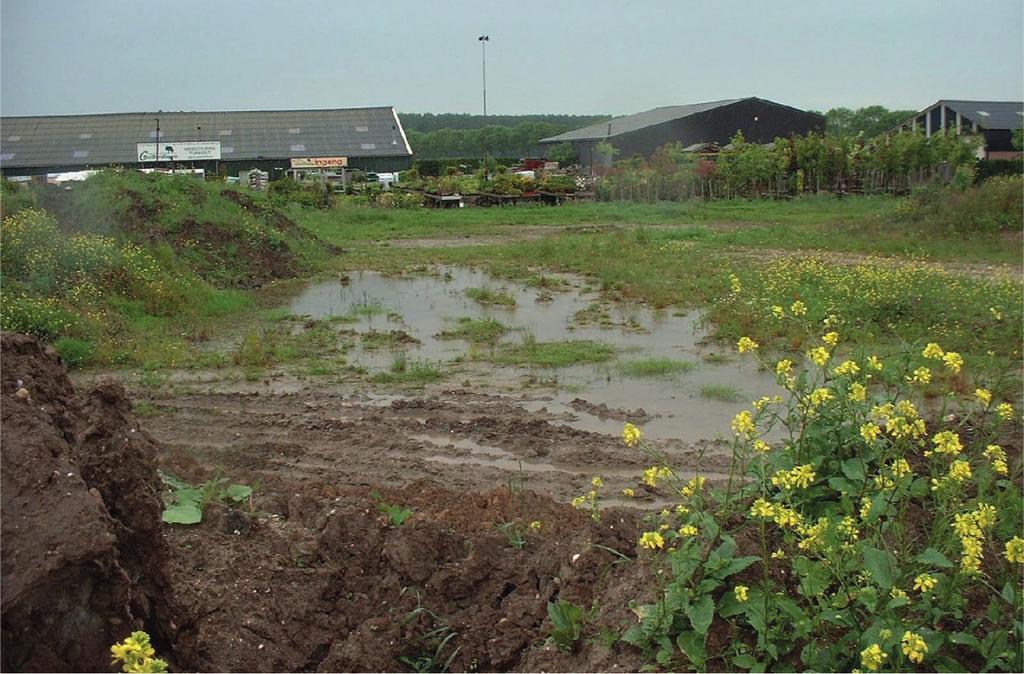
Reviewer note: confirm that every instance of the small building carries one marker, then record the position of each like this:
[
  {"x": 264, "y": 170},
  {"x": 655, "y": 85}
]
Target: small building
[
  {"x": 994, "y": 121},
  {"x": 759, "y": 120},
  {"x": 225, "y": 143}
]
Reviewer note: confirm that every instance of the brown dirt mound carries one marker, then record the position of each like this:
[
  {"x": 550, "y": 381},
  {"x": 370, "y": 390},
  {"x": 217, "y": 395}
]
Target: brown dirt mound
[{"x": 83, "y": 551}]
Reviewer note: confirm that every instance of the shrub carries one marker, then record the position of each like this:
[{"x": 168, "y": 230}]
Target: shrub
[{"x": 74, "y": 352}]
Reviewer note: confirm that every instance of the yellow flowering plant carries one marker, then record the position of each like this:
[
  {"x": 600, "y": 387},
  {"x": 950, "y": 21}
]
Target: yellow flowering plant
[{"x": 896, "y": 519}]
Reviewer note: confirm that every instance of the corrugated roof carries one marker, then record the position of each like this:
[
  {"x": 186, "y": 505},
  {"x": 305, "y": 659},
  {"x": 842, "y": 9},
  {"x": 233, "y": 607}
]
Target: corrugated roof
[
  {"x": 267, "y": 134},
  {"x": 640, "y": 120},
  {"x": 989, "y": 114}
]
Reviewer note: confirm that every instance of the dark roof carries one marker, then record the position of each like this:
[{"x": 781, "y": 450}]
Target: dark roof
[
  {"x": 989, "y": 114},
  {"x": 269, "y": 134},
  {"x": 641, "y": 120}
]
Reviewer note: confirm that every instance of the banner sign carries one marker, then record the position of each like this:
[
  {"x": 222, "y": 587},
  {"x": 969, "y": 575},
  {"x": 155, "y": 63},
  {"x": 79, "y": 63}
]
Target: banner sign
[
  {"x": 319, "y": 162},
  {"x": 192, "y": 150}
]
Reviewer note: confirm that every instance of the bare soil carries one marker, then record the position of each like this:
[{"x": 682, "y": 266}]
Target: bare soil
[{"x": 311, "y": 575}]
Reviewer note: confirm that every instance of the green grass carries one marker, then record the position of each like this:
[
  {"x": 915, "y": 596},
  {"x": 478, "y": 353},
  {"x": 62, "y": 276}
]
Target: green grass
[
  {"x": 476, "y": 330},
  {"x": 654, "y": 367},
  {"x": 553, "y": 354},
  {"x": 414, "y": 373},
  {"x": 390, "y": 339},
  {"x": 721, "y": 392},
  {"x": 491, "y": 296}
]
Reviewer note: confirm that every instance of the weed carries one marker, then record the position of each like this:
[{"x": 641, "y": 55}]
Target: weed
[
  {"x": 654, "y": 367},
  {"x": 553, "y": 354},
  {"x": 136, "y": 654},
  {"x": 476, "y": 330},
  {"x": 396, "y": 514},
  {"x": 717, "y": 358},
  {"x": 513, "y": 533},
  {"x": 431, "y": 651},
  {"x": 566, "y": 624},
  {"x": 721, "y": 392},
  {"x": 147, "y": 409},
  {"x": 491, "y": 296},
  {"x": 188, "y": 501},
  {"x": 75, "y": 352},
  {"x": 416, "y": 373}
]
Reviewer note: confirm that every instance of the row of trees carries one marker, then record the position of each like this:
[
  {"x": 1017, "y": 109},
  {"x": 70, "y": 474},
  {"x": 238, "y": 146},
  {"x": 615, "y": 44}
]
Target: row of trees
[
  {"x": 521, "y": 140},
  {"x": 791, "y": 166}
]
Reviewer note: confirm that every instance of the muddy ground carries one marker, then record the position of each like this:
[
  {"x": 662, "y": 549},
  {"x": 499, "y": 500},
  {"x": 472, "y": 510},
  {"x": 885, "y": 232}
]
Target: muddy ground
[{"x": 309, "y": 575}]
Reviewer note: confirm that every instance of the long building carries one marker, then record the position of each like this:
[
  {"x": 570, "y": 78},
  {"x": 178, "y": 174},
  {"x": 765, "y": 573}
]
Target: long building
[
  {"x": 229, "y": 143},
  {"x": 994, "y": 121},
  {"x": 761, "y": 121}
]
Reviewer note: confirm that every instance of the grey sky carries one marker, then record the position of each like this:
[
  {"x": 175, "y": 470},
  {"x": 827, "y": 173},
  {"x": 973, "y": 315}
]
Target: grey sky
[{"x": 557, "y": 56}]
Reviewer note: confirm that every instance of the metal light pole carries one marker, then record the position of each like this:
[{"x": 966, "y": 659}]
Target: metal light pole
[
  {"x": 484, "y": 39},
  {"x": 157, "y": 142}
]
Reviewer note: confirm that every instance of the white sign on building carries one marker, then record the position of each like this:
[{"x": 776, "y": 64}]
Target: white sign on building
[{"x": 192, "y": 150}]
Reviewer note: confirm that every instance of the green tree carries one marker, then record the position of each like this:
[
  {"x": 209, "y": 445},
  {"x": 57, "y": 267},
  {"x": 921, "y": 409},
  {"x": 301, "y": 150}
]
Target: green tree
[{"x": 563, "y": 153}]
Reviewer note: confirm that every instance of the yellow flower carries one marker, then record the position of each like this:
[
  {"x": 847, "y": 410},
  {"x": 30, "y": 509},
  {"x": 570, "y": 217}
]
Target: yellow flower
[
  {"x": 654, "y": 473},
  {"x": 869, "y": 432},
  {"x": 953, "y": 361},
  {"x": 847, "y": 367},
  {"x": 798, "y": 308},
  {"x": 784, "y": 366},
  {"x": 997, "y": 456},
  {"x": 858, "y": 392},
  {"x": 779, "y": 554},
  {"x": 627, "y": 492},
  {"x": 925, "y": 583},
  {"x": 742, "y": 593},
  {"x": 922, "y": 375},
  {"x": 1015, "y": 550},
  {"x": 688, "y": 530},
  {"x": 735, "y": 284},
  {"x": 762, "y": 508},
  {"x": 743, "y": 424},
  {"x": 875, "y": 363},
  {"x": 996, "y": 314},
  {"x": 960, "y": 470},
  {"x": 777, "y": 311},
  {"x": 900, "y": 468},
  {"x": 1005, "y": 411},
  {"x": 746, "y": 344},
  {"x": 914, "y": 647},
  {"x": 597, "y": 481},
  {"x": 983, "y": 395},
  {"x": 946, "y": 442},
  {"x": 652, "y": 540},
  {"x": 819, "y": 355},
  {"x": 985, "y": 515},
  {"x": 873, "y": 657},
  {"x": 631, "y": 434},
  {"x": 761, "y": 447},
  {"x": 535, "y": 525},
  {"x": 830, "y": 338},
  {"x": 933, "y": 351},
  {"x": 799, "y": 477}
]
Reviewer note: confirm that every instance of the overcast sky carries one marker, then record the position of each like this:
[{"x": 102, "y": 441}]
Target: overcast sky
[{"x": 555, "y": 56}]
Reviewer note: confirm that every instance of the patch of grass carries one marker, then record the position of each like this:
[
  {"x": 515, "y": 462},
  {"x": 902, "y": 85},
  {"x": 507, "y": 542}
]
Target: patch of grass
[
  {"x": 655, "y": 367},
  {"x": 553, "y": 354},
  {"x": 491, "y": 296},
  {"x": 75, "y": 352},
  {"x": 477, "y": 330},
  {"x": 367, "y": 307},
  {"x": 721, "y": 392},
  {"x": 414, "y": 373},
  {"x": 717, "y": 358},
  {"x": 147, "y": 409}
]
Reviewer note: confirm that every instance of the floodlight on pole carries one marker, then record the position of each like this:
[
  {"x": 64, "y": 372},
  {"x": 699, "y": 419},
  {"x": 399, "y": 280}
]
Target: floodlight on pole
[{"x": 483, "y": 40}]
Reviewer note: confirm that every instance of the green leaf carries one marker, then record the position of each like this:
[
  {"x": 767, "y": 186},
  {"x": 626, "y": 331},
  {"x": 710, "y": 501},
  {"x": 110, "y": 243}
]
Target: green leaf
[
  {"x": 188, "y": 513},
  {"x": 728, "y": 605},
  {"x": 692, "y": 644},
  {"x": 238, "y": 492},
  {"x": 881, "y": 565},
  {"x": 745, "y": 661},
  {"x": 736, "y": 565},
  {"x": 701, "y": 612},
  {"x": 854, "y": 469},
  {"x": 965, "y": 639},
  {"x": 935, "y": 558},
  {"x": 1008, "y": 594},
  {"x": 756, "y": 613},
  {"x": 814, "y": 576},
  {"x": 944, "y": 663}
]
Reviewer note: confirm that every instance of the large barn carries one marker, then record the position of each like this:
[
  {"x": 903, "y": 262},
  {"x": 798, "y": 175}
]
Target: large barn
[
  {"x": 760, "y": 121},
  {"x": 229, "y": 143}
]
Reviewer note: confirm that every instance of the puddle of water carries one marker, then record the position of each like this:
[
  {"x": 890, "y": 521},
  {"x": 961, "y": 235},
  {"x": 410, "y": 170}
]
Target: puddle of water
[{"x": 424, "y": 306}]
